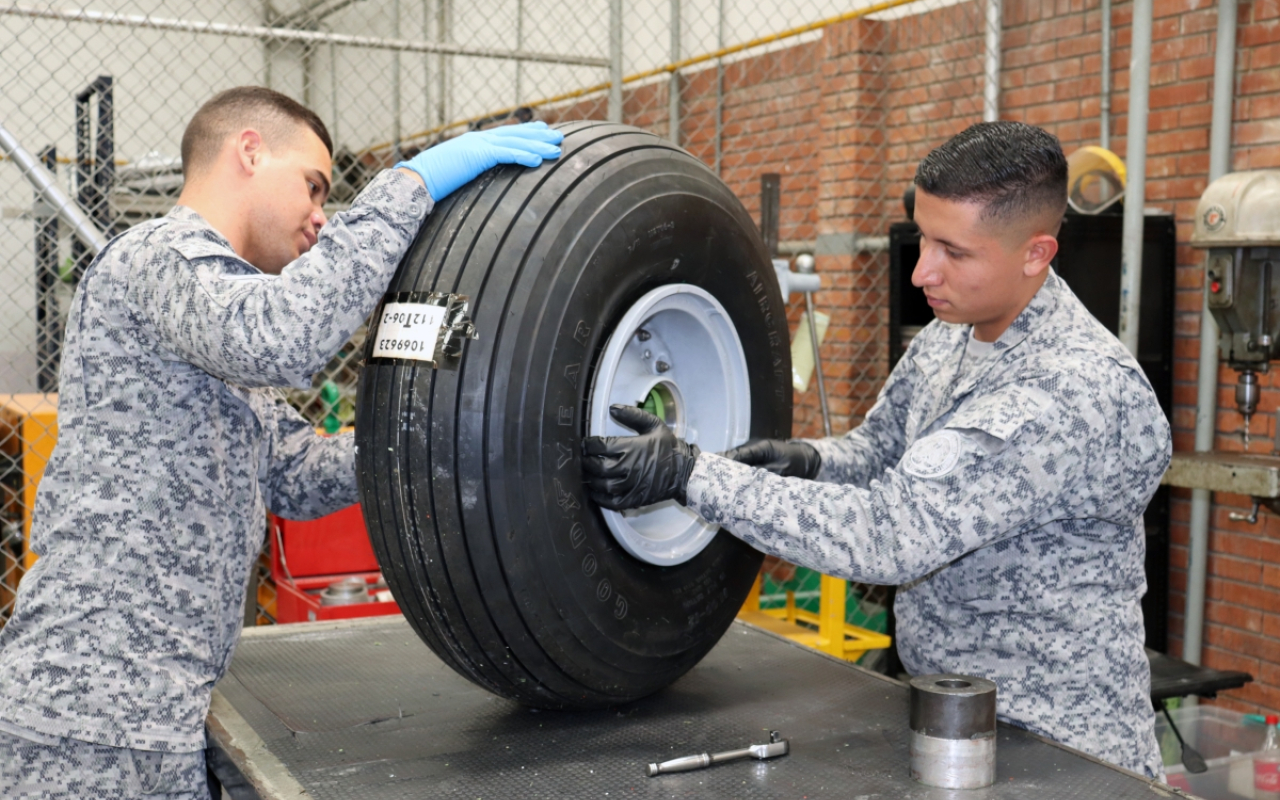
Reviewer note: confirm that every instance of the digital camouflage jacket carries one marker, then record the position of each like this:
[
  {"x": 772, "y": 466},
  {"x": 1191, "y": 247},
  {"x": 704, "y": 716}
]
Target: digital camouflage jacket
[
  {"x": 1007, "y": 505},
  {"x": 170, "y": 448}
]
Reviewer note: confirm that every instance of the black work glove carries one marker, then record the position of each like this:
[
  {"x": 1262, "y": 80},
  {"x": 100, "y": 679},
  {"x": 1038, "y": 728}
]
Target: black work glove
[
  {"x": 633, "y": 471},
  {"x": 788, "y": 459}
]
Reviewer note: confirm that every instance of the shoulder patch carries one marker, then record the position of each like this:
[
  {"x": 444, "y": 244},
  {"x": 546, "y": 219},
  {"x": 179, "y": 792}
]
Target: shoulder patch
[
  {"x": 198, "y": 248},
  {"x": 933, "y": 456}
]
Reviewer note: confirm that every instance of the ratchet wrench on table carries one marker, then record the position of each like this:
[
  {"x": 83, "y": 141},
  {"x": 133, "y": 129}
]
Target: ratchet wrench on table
[{"x": 777, "y": 746}]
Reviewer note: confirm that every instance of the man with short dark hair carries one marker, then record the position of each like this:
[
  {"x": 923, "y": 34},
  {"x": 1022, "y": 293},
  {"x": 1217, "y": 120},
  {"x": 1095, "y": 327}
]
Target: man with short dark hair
[
  {"x": 999, "y": 480},
  {"x": 171, "y": 448}
]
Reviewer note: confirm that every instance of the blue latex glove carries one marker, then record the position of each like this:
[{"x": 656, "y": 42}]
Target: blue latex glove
[{"x": 460, "y": 160}]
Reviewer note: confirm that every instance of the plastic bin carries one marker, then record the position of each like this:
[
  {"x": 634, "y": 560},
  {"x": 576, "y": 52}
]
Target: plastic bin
[
  {"x": 1225, "y": 739},
  {"x": 317, "y": 553}
]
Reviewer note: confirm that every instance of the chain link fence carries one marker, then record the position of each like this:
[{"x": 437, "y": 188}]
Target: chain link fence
[{"x": 837, "y": 99}]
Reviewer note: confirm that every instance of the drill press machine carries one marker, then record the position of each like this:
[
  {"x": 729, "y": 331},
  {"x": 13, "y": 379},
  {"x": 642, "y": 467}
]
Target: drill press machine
[{"x": 1238, "y": 222}]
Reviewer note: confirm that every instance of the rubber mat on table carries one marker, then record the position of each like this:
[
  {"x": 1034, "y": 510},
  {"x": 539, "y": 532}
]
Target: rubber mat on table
[{"x": 369, "y": 713}]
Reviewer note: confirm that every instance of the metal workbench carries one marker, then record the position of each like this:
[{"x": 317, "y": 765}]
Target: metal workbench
[{"x": 362, "y": 709}]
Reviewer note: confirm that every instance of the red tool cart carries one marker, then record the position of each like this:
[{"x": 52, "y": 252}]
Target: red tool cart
[{"x": 325, "y": 569}]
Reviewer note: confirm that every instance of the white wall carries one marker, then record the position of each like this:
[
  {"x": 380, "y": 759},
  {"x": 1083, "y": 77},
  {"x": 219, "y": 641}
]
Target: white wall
[{"x": 160, "y": 79}]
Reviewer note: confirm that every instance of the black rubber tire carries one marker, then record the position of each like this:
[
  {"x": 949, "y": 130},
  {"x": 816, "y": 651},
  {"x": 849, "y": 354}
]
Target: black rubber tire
[{"x": 470, "y": 477}]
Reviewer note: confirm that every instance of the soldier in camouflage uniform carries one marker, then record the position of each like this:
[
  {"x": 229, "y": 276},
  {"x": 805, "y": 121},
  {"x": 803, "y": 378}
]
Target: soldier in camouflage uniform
[
  {"x": 999, "y": 480},
  {"x": 171, "y": 445}
]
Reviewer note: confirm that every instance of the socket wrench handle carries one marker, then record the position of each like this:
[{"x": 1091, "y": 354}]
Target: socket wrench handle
[
  {"x": 681, "y": 764},
  {"x": 777, "y": 746}
]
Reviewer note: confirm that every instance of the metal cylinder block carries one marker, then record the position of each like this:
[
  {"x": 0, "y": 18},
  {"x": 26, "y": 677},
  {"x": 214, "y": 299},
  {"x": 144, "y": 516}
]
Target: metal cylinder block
[
  {"x": 345, "y": 592},
  {"x": 953, "y": 731}
]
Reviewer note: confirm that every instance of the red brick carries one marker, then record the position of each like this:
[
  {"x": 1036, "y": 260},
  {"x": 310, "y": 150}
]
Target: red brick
[
  {"x": 1193, "y": 68},
  {"x": 1054, "y": 71},
  {"x": 1203, "y": 21},
  {"x": 1232, "y": 616},
  {"x": 1261, "y": 131},
  {"x": 1177, "y": 142},
  {"x": 1078, "y": 45},
  {"x": 1177, "y": 8},
  {"x": 1260, "y": 82},
  {"x": 1238, "y": 641},
  {"x": 1166, "y": 28},
  {"x": 1183, "y": 47},
  {"x": 1179, "y": 94},
  {"x": 1241, "y": 594},
  {"x": 1264, "y": 9},
  {"x": 1226, "y": 660},
  {"x": 1237, "y": 569},
  {"x": 1195, "y": 116}
]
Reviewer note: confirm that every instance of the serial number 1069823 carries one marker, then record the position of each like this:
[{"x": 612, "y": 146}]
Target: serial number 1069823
[
  {"x": 401, "y": 345},
  {"x": 409, "y": 330}
]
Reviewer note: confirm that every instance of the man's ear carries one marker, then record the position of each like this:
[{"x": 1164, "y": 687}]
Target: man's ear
[
  {"x": 250, "y": 150},
  {"x": 1040, "y": 252}
]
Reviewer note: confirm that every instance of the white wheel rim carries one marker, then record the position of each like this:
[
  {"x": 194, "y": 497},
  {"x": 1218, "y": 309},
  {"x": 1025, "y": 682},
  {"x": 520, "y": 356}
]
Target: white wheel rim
[{"x": 692, "y": 358}]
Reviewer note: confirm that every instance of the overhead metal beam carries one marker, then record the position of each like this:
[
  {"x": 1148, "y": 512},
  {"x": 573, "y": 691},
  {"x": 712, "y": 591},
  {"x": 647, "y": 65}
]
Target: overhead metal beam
[
  {"x": 272, "y": 34},
  {"x": 718, "y": 56}
]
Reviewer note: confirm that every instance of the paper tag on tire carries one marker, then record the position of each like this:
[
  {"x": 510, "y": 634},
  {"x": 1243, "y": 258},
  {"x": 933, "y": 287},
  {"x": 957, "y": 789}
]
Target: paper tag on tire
[{"x": 409, "y": 330}]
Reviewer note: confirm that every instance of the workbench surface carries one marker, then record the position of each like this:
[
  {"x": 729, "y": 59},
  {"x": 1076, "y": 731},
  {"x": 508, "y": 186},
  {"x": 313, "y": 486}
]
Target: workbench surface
[{"x": 362, "y": 709}]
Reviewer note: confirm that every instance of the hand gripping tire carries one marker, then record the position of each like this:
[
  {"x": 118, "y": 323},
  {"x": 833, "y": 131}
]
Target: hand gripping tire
[{"x": 469, "y": 474}]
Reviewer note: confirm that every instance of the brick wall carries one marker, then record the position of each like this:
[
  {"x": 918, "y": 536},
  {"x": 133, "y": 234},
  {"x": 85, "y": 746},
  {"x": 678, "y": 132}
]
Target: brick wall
[
  {"x": 845, "y": 119},
  {"x": 1051, "y": 77},
  {"x": 1242, "y": 628}
]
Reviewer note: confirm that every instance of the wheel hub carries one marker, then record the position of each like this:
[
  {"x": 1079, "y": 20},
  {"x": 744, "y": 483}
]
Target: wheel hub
[{"x": 676, "y": 354}]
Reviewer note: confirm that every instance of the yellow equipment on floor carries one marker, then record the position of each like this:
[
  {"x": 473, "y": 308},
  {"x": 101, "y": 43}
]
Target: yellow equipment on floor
[
  {"x": 28, "y": 430},
  {"x": 826, "y": 630}
]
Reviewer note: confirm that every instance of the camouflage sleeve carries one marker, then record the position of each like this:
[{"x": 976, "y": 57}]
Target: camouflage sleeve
[
  {"x": 303, "y": 474},
  {"x": 868, "y": 450},
  {"x": 1005, "y": 463},
  {"x": 278, "y": 330}
]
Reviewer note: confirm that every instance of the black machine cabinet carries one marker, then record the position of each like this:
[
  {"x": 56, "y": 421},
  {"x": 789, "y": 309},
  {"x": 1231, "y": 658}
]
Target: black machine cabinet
[{"x": 1089, "y": 261}]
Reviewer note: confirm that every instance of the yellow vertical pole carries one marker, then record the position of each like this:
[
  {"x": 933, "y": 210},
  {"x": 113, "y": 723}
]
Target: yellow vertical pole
[
  {"x": 831, "y": 601},
  {"x": 752, "y": 603}
]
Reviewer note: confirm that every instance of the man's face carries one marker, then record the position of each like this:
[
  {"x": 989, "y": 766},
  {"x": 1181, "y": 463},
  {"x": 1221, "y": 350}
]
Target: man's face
[
  {"x": 971, "y": 270},
  {"x": 289, "y": 188}
]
